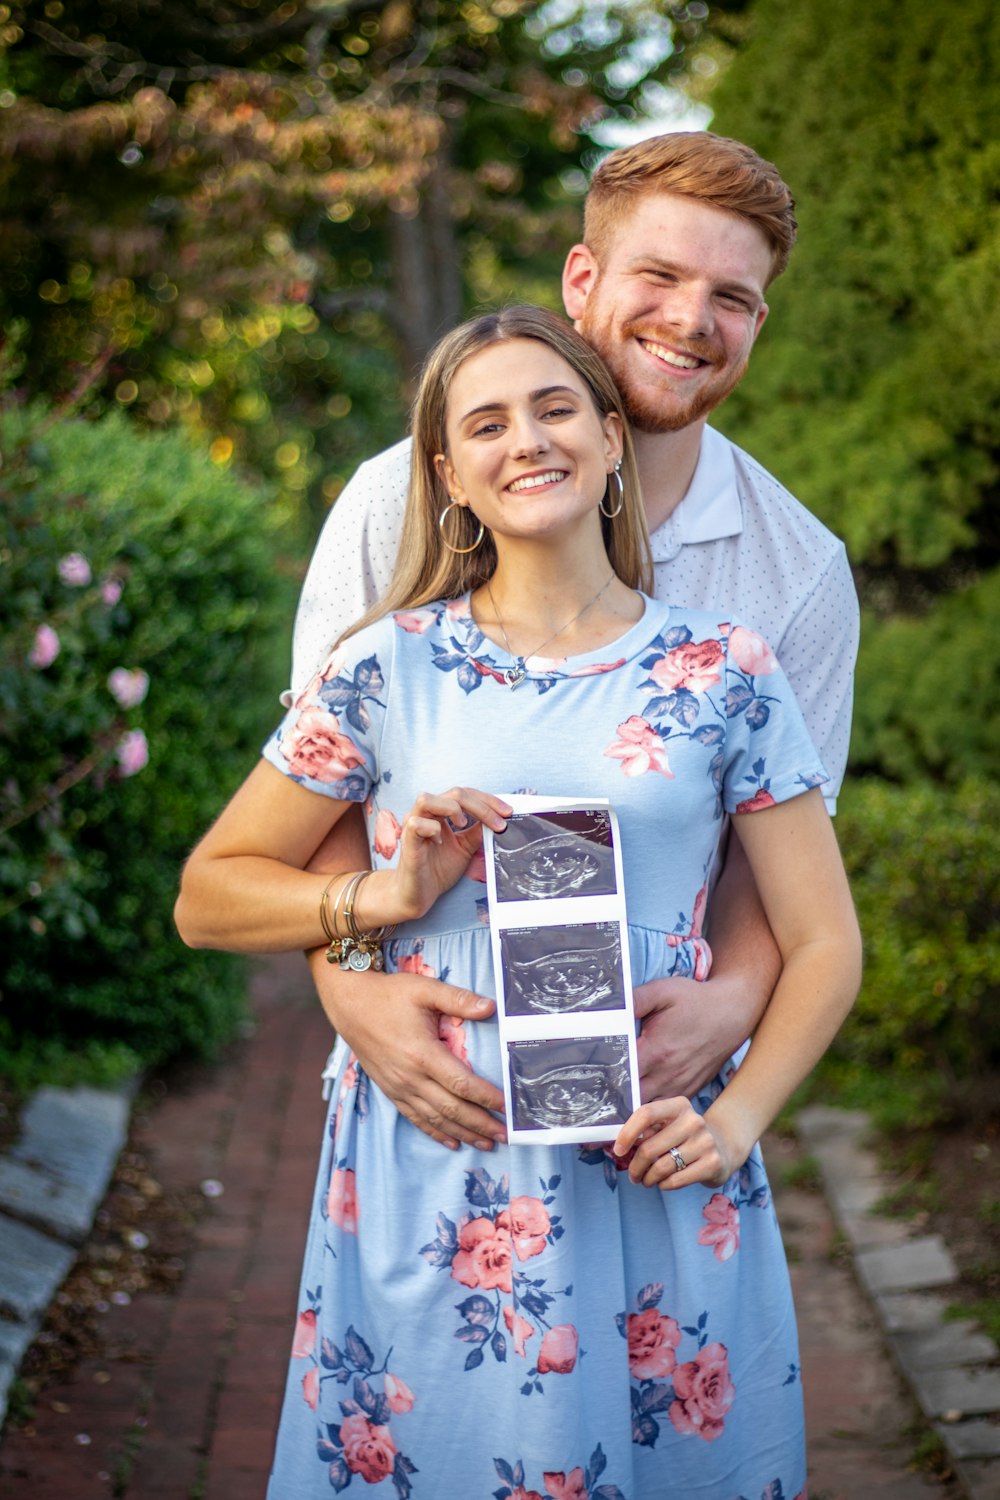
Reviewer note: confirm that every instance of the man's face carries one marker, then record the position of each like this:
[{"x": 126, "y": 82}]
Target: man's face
[{"x": 674, "y": 308}]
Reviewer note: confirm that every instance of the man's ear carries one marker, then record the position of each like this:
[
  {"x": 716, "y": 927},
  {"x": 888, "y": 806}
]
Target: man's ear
[
  {"x": 762, "y": 313},
  {"x": 579, "y": 276}
]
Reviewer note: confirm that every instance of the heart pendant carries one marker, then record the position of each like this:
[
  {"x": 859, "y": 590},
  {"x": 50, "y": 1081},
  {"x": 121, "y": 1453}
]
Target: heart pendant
[{"x": 514, "y": 676}]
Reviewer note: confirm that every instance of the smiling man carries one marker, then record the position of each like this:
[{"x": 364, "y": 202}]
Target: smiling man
[{"x": 683, "y": 234}]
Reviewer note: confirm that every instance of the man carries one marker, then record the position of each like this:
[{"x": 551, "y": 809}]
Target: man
[{"x": 682, "y": 236}]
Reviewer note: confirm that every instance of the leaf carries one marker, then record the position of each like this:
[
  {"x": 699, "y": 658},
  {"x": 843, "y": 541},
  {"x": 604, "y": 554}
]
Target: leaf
[
  {"x": 468, "y": 678},
  {"x": 759, "y": 766},
  {"x": 447, "y": 1233},
  {"x": 358, "y": 716},
  {"x": 554, "y": 1182},
  {"x": 607, "y": 1492},
  {"x": 499, "y": 1346},
  {"x": 470, "y": 1333},
  {"x": 519, "y": 1473},
  {"x": 328, "y": 1451},
  {"x": 663, "y": 703},
  {"x": 358, "y": 1351},
  {"x": 758, "y": 714},
  {"x": 686, "y": 708},
  {"x": 473, "y": 1359},
  {"x": 737, "y": 699},
  {"x": 330, "y": 1356},
  {"x": 677, "y": 635},
  {"x": 438, "y": 1255},
  {"x": 650, "y": 1295},
  {"x": 656, "y": 1398},
  {"x": 338, "y": 693},
  {"x": 447, "y": 660},
  {"x": 475, "y": 1309},
  {"x": 364, "y": 1396},
  {"x": 620, "y": 1320},
  {"x": 340, "y": 1474},
  {"x": 598, "y": 1463},
  {"x": 708, "y": 734},
  {"x": 480, "y": 1189},
  {"x": 645, "y": 1431},
  {"x": 368, "y": 676},
  {"x": 504, "y": 1471}
]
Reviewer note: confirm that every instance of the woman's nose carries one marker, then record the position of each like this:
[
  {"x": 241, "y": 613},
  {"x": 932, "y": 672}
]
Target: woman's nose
[{"x": 528, "y": 438}]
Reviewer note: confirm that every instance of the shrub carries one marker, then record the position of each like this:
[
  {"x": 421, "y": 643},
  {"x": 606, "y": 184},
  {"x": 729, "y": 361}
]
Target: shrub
[
  {"x": 138, "y": 606},
  {"x": 926, "y": 880}
]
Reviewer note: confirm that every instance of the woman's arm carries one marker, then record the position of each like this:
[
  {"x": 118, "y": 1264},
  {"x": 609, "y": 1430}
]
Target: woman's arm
[
  {"x": 245, "y": 889},
  {"x": 800, "y": 876}
]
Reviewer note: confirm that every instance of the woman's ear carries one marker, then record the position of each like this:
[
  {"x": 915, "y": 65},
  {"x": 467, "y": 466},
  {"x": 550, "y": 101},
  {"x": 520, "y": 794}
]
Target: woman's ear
[
  {"x": 448, "y": 477},
  {"x": 614, "y": 446}
]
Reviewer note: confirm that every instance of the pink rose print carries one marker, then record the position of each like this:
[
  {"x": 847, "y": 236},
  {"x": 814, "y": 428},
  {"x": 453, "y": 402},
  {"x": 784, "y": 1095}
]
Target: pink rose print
[
  {"x": 416, "y": 621},
  {"x": 314, "y": 747},
  {"x": 561, "y": 1486},
  {"x": 412, "y": 963},
  {"x": 74, "y": 570},
  {"x": 458, "y": 609},
  {"x": 398, "y": 1394},
  {"x": 522, "y": 1494},
  {"x": 598, "y": 668},
  {"x": 694, "y": 666},
  {"x": 652, "y": 1340},
  {"x": 452, "y": 1033},
  {"x": 304, "y": 1341},
  {"x": 557, "y": 1355},
  {"x": 46, "y": 647},
  {"x": 368, "y": 1450},
  {"x": 310, "y": 1387},
  {"x": 341, "y": 1200},
  {"x": 759, "y": 799},
  {"x": 722, "y": 1231},
  {"x": 519, "y": 1329},
  {"x": 485, "y": 1253},
  {"x": 639, "y": 748},
  {"x": 529, "y": 1224},
  {"x": 704, "y": 1394},
  {"x": 387, "y": 831},
  {"x": 751, "y": 653},
  {"x": 132, "y": 752}
]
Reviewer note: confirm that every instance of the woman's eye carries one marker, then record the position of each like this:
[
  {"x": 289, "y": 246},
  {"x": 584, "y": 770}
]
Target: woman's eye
[
  {"x": 487, "y": 429},
  {"x": 559, "y": 411}
]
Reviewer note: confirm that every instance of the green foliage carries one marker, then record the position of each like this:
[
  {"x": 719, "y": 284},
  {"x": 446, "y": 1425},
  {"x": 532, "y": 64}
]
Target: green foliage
[
  {"x": 926, "y": 882},
  {"x": 144, "y": 560}
]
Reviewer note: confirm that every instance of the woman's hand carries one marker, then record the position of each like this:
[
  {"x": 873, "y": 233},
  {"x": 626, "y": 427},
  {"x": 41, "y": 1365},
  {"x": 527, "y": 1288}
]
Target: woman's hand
[
  {"x": 666, "y": 1125},
  {"x": 441, "y": 834}
]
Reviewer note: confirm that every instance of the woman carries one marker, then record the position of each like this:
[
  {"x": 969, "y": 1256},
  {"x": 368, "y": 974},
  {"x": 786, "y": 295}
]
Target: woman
[{"x": 537, "y": 1323}]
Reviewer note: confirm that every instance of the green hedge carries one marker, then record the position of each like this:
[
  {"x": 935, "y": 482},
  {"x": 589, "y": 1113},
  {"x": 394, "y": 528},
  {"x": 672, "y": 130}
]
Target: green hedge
[
  {"x": 141, "y": 558},
  {"x": 926, "y": 880}
]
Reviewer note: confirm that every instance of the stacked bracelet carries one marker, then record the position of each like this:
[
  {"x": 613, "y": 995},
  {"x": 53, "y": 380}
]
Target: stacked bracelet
[{"x": 353, "y": 949}]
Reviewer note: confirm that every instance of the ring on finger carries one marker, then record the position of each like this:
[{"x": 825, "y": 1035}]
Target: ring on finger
[{"x": 679, "y": 1161}]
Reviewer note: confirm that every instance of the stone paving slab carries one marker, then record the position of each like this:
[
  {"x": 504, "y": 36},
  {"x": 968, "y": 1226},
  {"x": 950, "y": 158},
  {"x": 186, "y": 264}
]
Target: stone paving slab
[
  {"x": 973, "y": 1393},
  {"x": 978, "y": 1439},
  {"x": 943, "y": 1346},
  {"x": 922, "y": 1262},
  {"x": 36, "y": 1197},
  {"x": 33, "y": 1269}
]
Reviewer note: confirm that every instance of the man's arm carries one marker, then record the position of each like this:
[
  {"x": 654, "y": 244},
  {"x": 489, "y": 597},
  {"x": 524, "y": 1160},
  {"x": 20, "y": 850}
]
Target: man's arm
[{"x": 390, "y": 1023}]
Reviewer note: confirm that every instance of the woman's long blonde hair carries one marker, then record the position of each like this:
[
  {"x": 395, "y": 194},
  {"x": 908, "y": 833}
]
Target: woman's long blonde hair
[{"x": 425, "y": 569}]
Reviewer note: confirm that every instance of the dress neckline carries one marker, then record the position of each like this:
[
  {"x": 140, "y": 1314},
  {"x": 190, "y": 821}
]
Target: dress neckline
[{"x": 612, "y": 654}]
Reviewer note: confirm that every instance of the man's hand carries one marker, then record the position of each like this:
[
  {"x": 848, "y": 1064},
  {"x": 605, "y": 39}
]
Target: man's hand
[
  {"x": 390, "y": 1023},
  {"x": 690, "y": 1029}
]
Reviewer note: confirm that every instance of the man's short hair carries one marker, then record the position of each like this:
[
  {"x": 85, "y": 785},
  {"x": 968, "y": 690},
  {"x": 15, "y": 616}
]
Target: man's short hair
[{"x": 693, "y": 164}]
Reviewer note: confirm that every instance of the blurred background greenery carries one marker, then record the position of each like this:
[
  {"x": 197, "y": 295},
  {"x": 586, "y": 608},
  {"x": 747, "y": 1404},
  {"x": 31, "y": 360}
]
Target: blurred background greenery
[{"x": 231, "y": 230}]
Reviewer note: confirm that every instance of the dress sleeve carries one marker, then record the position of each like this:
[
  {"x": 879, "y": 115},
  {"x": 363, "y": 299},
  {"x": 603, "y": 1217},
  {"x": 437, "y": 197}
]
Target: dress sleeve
[
  {"x": 769, "y": 755},
  {"x": 353, "y": 563},
  {"x": 330, "y": 739}
]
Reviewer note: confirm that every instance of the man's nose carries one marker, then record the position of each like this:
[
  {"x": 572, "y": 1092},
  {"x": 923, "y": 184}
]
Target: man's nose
[{"x": 689, "y": 309}]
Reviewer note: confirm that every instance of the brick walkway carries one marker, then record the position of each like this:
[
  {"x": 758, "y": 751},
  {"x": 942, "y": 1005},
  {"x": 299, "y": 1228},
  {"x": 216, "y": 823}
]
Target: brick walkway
[{"x": 184, "y": 1404}]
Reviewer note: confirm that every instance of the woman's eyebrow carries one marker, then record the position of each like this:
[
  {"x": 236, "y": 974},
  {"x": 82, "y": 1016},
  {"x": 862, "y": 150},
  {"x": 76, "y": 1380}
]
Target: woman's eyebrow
[{"x": 539, "y": 395}]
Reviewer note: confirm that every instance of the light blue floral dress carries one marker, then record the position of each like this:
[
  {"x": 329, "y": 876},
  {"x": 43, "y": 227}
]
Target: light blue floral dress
[{"x": 525, "y": 1323}]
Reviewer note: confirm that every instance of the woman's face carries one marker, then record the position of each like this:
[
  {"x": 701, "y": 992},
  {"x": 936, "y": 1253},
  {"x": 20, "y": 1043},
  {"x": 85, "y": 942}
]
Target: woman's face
[{"x": 527, "y": 448}]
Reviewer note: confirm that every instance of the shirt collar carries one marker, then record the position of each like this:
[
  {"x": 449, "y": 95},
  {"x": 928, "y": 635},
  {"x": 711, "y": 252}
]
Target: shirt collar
[{"x": 711, "y": 509}]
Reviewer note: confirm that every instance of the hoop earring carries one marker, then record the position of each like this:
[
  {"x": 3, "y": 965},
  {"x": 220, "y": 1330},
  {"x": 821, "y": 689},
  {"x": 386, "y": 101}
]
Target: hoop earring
[
  {"x": 614, "y": 474},
  {"x": 460, "y": 550}
]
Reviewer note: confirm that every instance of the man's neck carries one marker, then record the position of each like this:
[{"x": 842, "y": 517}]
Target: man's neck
[{"x": 667, "y": 461}]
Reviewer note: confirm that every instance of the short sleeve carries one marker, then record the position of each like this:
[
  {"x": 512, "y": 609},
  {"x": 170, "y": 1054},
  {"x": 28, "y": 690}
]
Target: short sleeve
[
  {"x": 769, "y": 755},
  {"x": 330, "y": 739}
]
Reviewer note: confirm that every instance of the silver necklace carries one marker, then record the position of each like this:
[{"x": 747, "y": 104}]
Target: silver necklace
[{"x": 515, "y": 675}]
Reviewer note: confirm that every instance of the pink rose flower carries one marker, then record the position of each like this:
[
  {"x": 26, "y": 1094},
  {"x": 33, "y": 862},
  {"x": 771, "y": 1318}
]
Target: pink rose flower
[
  {"x": 529, "y": 1224},
  {"x": 751, "y": 653},
  {"x": 698, "y": 917},
  {"x": 416, "y": 621},
  {"x": 722, "y": 1230},
  {"x": 704, "y": 1394},
  {"x": 557, "y": 1355},
  {"x": 756, "y": 802},
  {"x": 304, "y": 1341},
  {"x": 46, "y": 647},
  {"x": 452, "y": 1033},
  {"x": 639, "y": 748},
  {"x": 310, "y": 1387},
  {"x": 652, "y": 1339},
  {"x": 398, "y": 1394},
  {"x": 387, "y": 831},
  {"x": 598, "y": 667},
  {"x": 132, "y": 752},
  {"x": 74, "y": 570},
  {"x": 458, "y": 609},
  {"x": 128, "y": 689},
  {"x": 314, "y": 747},
  {"x": 485, "y": 1253},
  {"x": 111, "y": 591},
  {"x": 520, "y": 1493},
  {"x": 695, "y": 666},
  {"x": 341, "y": 1200},
  {"x": 368, "y": 1450},
  {"x": 561, "y": 1486},
  {"x": 519, "y": 1329}
]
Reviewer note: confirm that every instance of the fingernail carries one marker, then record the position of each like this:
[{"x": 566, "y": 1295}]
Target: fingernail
[{"x": 484, "y": 1145}]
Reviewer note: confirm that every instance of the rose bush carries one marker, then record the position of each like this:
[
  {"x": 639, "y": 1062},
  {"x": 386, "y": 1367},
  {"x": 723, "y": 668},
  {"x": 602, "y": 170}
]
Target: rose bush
[{"x": 138, "y": 592}]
